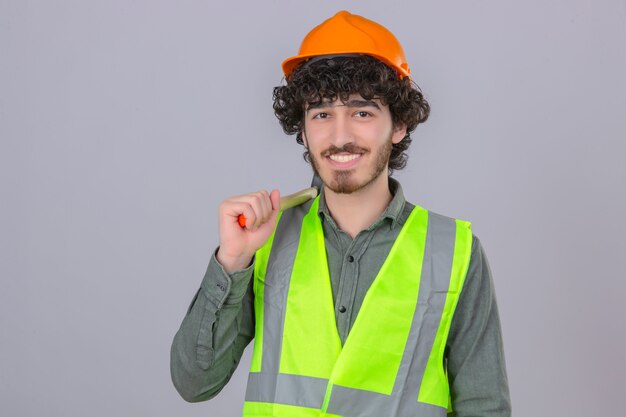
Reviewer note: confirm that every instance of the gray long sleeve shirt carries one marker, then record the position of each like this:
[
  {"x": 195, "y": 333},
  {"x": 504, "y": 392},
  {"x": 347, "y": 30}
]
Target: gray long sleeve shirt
[{"x": 219, "y": 323}]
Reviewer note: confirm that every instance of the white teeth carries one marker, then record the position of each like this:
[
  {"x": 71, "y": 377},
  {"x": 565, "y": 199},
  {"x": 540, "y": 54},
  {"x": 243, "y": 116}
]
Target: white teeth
[{"x": 344, "y": 158}]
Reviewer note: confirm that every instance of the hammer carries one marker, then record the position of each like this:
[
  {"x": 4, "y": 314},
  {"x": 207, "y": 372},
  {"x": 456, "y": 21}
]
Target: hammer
[{"x": 294, "y": 199}]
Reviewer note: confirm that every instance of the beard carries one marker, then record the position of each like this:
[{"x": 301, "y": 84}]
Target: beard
[{"x": 344, "y": 181}]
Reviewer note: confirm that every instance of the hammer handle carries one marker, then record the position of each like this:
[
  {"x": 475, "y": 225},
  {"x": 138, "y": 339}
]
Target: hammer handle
[{"x": 289, "y": 201}]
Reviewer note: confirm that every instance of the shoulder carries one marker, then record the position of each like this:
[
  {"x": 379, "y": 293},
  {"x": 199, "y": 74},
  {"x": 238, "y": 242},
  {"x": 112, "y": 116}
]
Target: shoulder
[
  {"x": 434, "y": 216},
  {"x": 478, "y": 277},
  {"x": 290, "y": 221},
  {"x": 297, "y": 213},
  {"x": 478, "y": 285}
]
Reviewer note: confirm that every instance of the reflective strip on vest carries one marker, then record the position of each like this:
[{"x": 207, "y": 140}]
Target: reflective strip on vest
[{"x": 392, "y": 362}]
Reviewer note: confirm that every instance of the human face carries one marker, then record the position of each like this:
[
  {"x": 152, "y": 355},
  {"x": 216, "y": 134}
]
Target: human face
[{"x": 350, "y": 143}]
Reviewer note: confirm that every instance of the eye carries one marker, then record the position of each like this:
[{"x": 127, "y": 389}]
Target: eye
[
  {"x": 321, "y": 115},
  {"x": 362, "y": 113}
]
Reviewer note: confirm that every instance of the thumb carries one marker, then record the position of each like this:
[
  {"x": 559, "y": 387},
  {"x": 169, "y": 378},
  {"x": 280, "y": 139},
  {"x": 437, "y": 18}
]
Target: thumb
[{"x": 275, "y": 199}]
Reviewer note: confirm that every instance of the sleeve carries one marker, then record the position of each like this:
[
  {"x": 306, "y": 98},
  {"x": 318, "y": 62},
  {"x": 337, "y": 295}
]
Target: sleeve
[
  {"x": 475, "y": 354},
  {"x": 218, "y": 326}
]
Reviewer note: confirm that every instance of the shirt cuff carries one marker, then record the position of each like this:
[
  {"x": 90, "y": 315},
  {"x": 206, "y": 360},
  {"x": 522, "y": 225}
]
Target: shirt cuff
[{"x": 223, "y": 288}]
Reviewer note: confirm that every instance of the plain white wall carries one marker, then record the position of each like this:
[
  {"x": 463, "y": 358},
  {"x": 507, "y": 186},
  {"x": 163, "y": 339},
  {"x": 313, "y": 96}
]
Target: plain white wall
[{"x": 123, "y": 124}]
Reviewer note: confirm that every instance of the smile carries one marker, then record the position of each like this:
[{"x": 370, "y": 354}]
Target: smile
[{"x": 344, "y": 157}]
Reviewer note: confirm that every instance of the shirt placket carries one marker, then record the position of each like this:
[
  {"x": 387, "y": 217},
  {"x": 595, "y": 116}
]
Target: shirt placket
[{"x": 349, "y": 278}]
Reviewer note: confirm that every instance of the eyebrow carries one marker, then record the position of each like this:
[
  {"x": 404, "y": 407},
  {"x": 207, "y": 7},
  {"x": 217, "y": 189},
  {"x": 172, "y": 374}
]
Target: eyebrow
[{"x": 350, "y": 103}]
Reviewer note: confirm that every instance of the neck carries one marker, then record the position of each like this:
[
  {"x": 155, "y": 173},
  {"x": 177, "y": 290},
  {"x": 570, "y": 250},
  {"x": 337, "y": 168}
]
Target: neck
[{"x": 357, "y": 211}]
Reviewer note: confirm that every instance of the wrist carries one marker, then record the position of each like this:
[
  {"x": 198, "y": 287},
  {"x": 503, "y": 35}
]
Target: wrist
[{"x": 232, "y": 263}]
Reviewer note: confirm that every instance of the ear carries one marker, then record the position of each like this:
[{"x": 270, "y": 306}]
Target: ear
[
  {"x": 399, "y": 132},
  {"x": 303, "y": 135}
]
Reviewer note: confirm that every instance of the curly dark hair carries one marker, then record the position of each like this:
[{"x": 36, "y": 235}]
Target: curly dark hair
[{"x": 340, "y": 76}]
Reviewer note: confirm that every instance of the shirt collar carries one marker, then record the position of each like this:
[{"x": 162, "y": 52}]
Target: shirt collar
[{"x": 392, "y": 212}]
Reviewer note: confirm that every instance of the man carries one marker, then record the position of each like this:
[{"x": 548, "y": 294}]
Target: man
[{"x": 360, "y": 303}]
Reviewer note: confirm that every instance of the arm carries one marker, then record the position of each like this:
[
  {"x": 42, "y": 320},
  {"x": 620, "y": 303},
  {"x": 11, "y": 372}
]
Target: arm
[
  {"x": 220, "y": 320},
  {"x": 475, "y": 355},
  {"x": 218, "y": 326}
]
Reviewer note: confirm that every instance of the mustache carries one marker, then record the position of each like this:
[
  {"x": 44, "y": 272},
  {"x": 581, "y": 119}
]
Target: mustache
[{"x": 347, "y": 148}]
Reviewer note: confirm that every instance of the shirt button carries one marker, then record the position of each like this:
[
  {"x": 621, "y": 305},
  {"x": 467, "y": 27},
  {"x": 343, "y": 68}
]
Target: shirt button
[
  {"x": 342, "y": 309},
  {"x": 350, "y": 258}
]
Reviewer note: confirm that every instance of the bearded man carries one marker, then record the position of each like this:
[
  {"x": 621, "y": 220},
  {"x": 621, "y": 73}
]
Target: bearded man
[{"x": 359, "y": 302}]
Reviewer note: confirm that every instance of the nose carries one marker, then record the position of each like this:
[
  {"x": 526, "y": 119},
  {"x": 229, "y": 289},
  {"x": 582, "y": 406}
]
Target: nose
[{"x": 342, "y": 132}]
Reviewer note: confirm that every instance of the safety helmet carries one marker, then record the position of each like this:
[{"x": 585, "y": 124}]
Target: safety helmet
[{"x": 347, "y": 33}]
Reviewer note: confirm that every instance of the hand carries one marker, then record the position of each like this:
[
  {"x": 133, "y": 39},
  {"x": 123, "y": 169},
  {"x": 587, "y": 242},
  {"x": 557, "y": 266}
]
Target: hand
[{"x": 238, "y": 244}]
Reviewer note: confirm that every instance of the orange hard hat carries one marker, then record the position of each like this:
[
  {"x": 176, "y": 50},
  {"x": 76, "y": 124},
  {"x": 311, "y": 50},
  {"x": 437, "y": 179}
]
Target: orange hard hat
[{"x": 347, "y": 33}]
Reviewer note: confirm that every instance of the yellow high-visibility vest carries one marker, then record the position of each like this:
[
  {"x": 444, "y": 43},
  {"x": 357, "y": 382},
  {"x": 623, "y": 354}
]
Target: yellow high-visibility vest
[{"x": 392, "y": 362}]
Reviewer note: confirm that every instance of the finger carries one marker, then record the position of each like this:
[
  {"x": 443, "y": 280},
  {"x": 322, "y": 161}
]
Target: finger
[
  {"x": 256, "y": 201},
  {"x": 268, "y": 205},
  {"x": 234, "y": 209},
  {"x": 260, "y": 202},
  {"x": 275, "y": 200}
]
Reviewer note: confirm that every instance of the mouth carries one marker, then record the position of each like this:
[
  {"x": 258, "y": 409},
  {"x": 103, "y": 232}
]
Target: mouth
[
  {"x": 344, "y": 160},
  {"x": 344, "y": 157}
]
